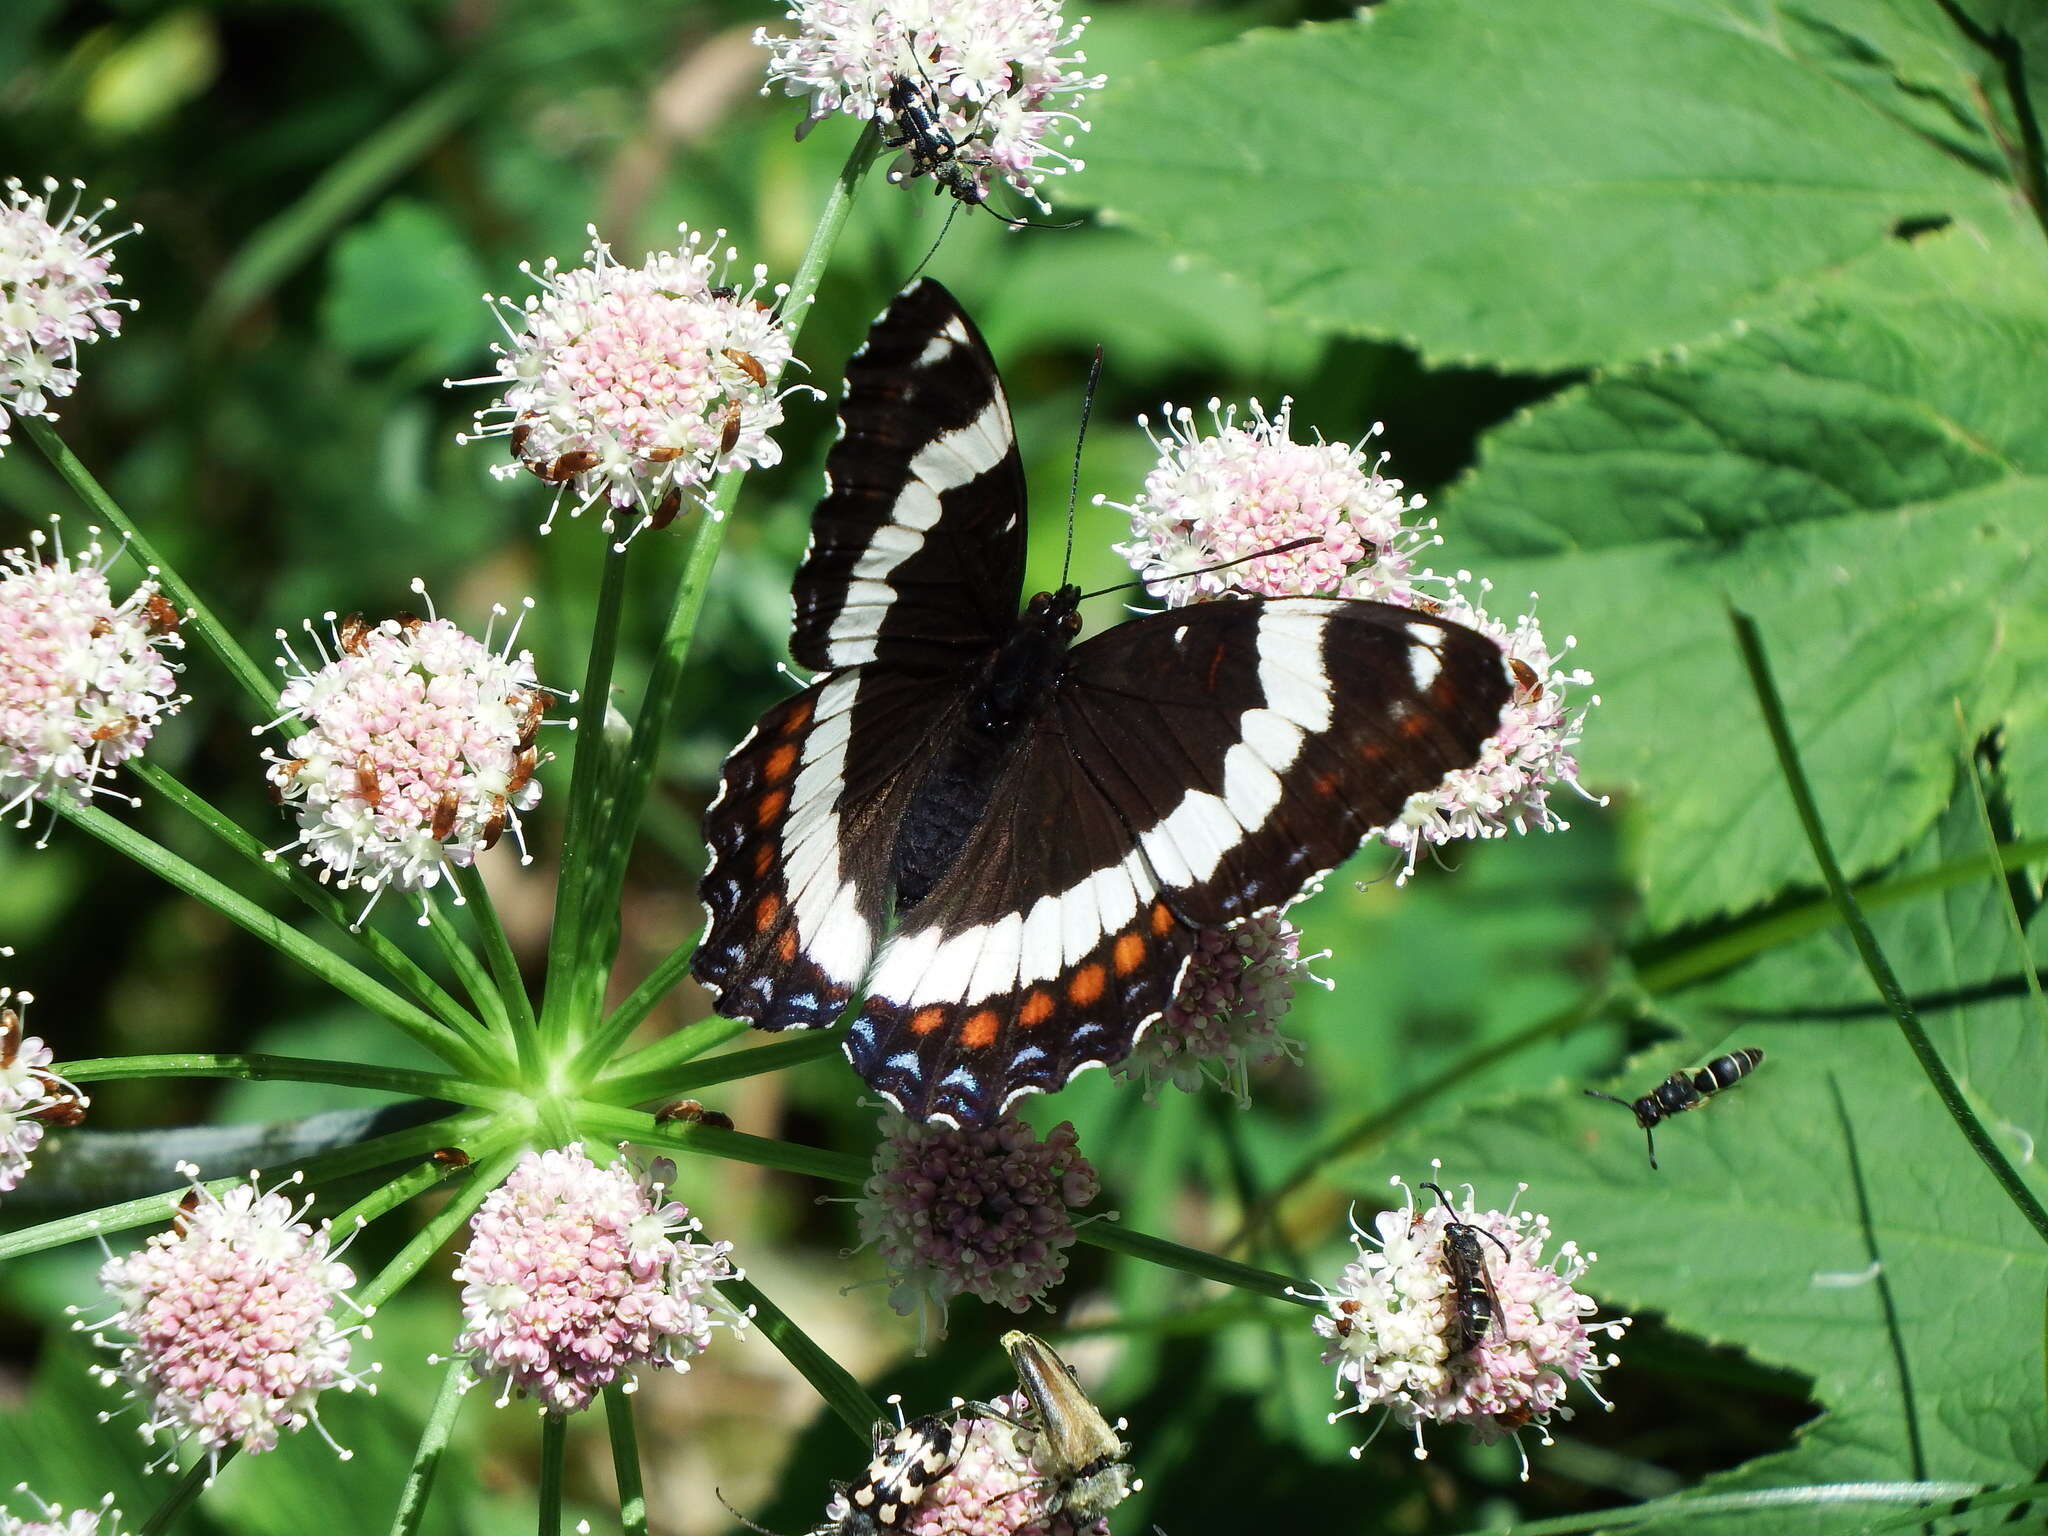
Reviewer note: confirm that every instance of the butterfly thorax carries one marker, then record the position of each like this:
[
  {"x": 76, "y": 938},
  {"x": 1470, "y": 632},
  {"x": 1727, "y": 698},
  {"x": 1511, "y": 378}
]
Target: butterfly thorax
[{"x": 1015, "y": 687}]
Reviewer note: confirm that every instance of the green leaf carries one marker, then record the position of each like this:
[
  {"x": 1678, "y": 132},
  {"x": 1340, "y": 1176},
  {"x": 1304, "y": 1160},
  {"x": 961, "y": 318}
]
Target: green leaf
[
  {"x": 1869, "y": 484},
  {"x": 405, "y": 281},
  {"x": 1777, "y": 1197},
  {"x": 1543, "y": 185}
]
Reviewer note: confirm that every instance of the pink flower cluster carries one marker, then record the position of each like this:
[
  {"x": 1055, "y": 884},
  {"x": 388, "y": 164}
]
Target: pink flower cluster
[
  {"x": 574, "y": 1274},
  {"x": 413, "y": 748},
  {"x": 998, "y": 76},
  {"x": 982, "y": 1212},
  {"x": 1389, "y": 1323},
  {"x": 634, "y": 386},
  {"x": 55, "y": 282},
  {"x": 1224, "y": 1020},
  {"x": 228, "y": 1318},
  {"x": 1249, "y": 487},
  {"x": 83, "y": 678},
  {"x": 101, "y": 1519},
  {"x": 32, "y": 1097}
]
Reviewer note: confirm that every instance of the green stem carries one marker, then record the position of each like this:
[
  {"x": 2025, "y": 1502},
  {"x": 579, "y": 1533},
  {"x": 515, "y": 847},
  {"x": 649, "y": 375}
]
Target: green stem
[
  {"x": 627, "y": 1017},
  {"x": 554, "y": 1441},
  {"x": 288, "y": 873},
  {"x": 198, "y": 617},
  {"x": 257, "y": 1068},
  {"x": 190, "y": 1485},
  {"x": 828, "y": 1378},
  {"x": 664, "y": 683},
  {"x": 1112, "y": 1238},
  {"x": 426, "y": 1460},
  {"x": 418, "y": 1179},
  {"x": 637, "y": 1087},
  {"x": 2015, "y": 924},
  {"x": 379, "y": 1151},
  {"x": 1881, "y": 973},
  {"x": 618, "y": 1418},
  {"x": 286, "y": 940},
  {"x": 1688, "y": 1505},
  {"x": 484, "y": 1176},
  {"x": 604, "y": 1122},
  {"x": 476, "y": 981},
  {"x": 567, "y": 985},
  {"x": 690, "y": 1041},
  {"x": 504, "y": 966}
]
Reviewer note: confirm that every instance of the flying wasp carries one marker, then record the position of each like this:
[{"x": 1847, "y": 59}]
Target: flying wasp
[
  {"x": 1684, "y": 1090},
  {"x": 1475, "y": 1307}
]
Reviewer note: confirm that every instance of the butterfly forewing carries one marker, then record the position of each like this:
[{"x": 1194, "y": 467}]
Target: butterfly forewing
[
  {"x": 917, "y": 551},
  {"x": 1004, "y": 848}
]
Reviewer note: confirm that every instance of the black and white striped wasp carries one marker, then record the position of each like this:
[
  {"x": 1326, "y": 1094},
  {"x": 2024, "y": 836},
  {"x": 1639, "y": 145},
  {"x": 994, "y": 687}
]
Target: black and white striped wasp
[
  {"x": 1684, "y": 1090},
  {"x": 1474, "y": 1306}
]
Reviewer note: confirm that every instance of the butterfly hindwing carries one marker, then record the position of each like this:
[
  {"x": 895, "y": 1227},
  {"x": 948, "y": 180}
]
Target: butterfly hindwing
[{"x": 917, "y": 551}]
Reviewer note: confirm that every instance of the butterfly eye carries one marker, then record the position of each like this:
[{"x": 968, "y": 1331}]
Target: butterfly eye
[{"x": 1071, "y": 624}]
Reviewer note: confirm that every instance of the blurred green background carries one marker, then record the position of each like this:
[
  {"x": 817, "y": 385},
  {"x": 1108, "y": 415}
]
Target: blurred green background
[{"x": 328, "y": 188}]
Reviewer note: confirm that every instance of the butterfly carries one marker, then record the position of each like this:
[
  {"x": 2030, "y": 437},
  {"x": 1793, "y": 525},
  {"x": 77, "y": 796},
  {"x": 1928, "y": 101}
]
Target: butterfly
[{"x": 1001, "y": 845}]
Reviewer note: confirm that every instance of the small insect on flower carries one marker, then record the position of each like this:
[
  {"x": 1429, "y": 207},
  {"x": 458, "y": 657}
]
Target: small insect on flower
[
  {"x": 1413, "y": 1332},
  {"x": 1475, "y": 1307},
  {"x": 101, "y": 1519},
  {"x": 55, "y": 282},
  {"x": 224, "y": 1324},
  {"x": 974, "y": 91},
  {"x": 32, "y": 1097},
  {"x": 1077, "y": 1449},
  {"x": 412, "y": 748},
  {"x": 983, "y": 1212},
  {"x": 632, "y": 387},
  {"x": 1684, "y": 1090},
  {"x": 84, "y": 679},
  {"x": 690, "y": 1112}
]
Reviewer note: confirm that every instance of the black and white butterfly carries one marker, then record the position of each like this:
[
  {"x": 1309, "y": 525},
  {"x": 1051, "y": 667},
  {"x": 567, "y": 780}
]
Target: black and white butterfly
[{"x": 1000, "y": 844}]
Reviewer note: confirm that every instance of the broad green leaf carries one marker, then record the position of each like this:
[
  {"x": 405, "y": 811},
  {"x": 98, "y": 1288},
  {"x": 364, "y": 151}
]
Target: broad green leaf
[
  {"x": 1542, "y": 185},
  {"x": 405, "y": 281},
  {"x": 1869, "y": 484},
  {"x": 1777, "y": 1199}
]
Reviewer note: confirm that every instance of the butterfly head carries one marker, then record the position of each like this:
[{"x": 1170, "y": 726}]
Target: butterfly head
[{"x": 1056, "y": 612}]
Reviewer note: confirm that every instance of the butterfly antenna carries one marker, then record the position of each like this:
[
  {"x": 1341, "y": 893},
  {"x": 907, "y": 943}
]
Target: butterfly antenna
[
  {"x": 1080, "y": 437},
  {"x": 928, "y": 255},
  {"x": 1032, "y": 223},
  {"x": 1257, "y": 554}
]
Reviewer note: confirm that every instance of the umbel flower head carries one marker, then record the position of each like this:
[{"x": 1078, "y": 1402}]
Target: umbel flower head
[
  {"x": 101, "y": 1519},
  {"x": 575, "y": 1274},
  {"x": 1248, "y": 487},
  {"x": 55, "y": 292},
  {"x": 1224, "y": 1019},
  {"x": 997, "y": 76},
  {"x": 83, "y": 677},
  {"x": 1391, "y": 1324},
  {"x": 1508, "y": 789},
  {"x": 32, "y": 1097},
  {"x": 631, "y": 387},
  {"x": 412, "y": 747},
  {"x": 982, "y": 1212},
  {"x": 226, "y": 1323}
]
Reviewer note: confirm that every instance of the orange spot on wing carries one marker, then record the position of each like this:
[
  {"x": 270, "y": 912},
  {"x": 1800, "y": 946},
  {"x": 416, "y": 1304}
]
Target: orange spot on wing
[
  {"x": 925, "y": 1020},
  {"x": 1162, "y": 920},
  {"x": 1415, "y": 725},
  {"x": 780, "y": 761},
  {"x": 770, "y": 807},
  {"x": 1036, "y": 1010},
  {"x": 799, "y": 717},
  {"x": 1129, "y": 953},
  {"x": 1326, "y": 783},
  {"x": 765, "y": 911},
  {"x": 764, "y": 860},
  {"x": 1086, "y": 987},
  {"x": 980, "y": 1029},
  {"x": 785, "y": 947}
]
